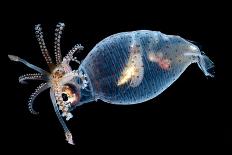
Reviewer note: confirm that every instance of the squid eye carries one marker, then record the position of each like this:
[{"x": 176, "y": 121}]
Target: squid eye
[
  {"x": 71, "y": 94},
  {"x": 65, "y": 97}
]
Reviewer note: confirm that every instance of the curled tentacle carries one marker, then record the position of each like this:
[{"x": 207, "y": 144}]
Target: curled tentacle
[
  {"x": 36, "y": 76},
  {"x": 81, "y": 78},
  {"x": 38, "y": 90},
  {"x": 18, "y": 59},
  {"x": 39, "y": 36},
  {"x": 58, "y": 33},
  {"x": 68, "y": 134},
  {"x": 69, "y": 57}
]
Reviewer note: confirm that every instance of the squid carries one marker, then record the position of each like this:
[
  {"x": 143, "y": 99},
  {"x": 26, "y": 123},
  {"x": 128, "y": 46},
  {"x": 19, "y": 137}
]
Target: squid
[{"x": 123, "y": 69}]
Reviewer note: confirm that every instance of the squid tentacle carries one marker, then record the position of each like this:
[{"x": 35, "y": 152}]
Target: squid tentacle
[
  {"x": 18, "y": 59},
  {"x": 69, "y": 57},
  {"x": 35, "y": 76},
  {"x": 68, "y": 134},
  {"x": 39, "y": 36},
  {"x": 38, "y": 90},
  {"x": 58, "y": 33}
]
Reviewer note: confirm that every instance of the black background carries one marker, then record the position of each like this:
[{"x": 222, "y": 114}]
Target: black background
[{"x": 192, "y": 114}]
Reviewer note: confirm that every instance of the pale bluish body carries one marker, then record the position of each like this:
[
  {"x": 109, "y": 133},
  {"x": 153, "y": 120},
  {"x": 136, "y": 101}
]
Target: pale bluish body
[
  {"x": 125, "y": 68},
  {"x": 106, "y": 62}
]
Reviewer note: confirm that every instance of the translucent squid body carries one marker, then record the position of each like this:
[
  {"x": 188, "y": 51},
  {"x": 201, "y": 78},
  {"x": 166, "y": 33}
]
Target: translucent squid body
[{"x": 125, "y": 68}]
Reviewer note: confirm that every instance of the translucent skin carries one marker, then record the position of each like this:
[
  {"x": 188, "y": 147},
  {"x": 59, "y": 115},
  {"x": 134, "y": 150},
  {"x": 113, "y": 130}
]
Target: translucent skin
[
  {"x": 125, "y": 68},
  {"x": 161, "y": 61}
]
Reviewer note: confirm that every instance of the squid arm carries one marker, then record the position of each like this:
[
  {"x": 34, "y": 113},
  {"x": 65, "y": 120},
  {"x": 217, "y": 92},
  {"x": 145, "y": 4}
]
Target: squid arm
[
  {"x": 42, "y": 87},
  {"x": 68, "y": 134},
  {"x": 58, "y": 33},
  {"x": 69, "y": 57},
  {"x": 45, "y": 53},
  {"x": 37, "y": 76}
]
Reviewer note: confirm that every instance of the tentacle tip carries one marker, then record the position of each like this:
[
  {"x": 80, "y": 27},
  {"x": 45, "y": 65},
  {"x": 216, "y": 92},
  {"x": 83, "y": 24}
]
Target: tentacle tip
[
  {"x": 71, "y": 142},
  {"x": 23, "y": 82},
  {"x": 61, "y": 24},
  {"x": 37, "y": 25},
  {"x": 13, "y": 58},
  {"x": 34, "y": 112},
  {"x": 69, "y": 138}
]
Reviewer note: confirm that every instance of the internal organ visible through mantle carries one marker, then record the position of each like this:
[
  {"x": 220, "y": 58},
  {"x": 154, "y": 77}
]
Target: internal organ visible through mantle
[{"x": 163, "y": 62}]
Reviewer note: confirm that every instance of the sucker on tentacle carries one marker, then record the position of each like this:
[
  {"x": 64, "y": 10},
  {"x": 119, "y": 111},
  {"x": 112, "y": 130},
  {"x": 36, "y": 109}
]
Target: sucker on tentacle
[
  {"x": 35, "y": 76},
  {"x": 69, "y": 57},
  {"x": 58, "y": 33},
  {"x": 42, "y": 87},
  {"x": 45, "y": 53}
]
